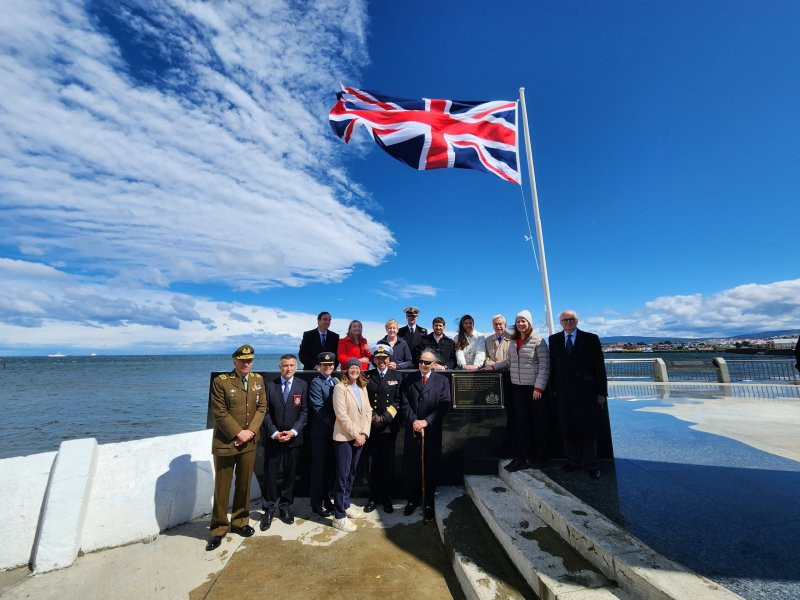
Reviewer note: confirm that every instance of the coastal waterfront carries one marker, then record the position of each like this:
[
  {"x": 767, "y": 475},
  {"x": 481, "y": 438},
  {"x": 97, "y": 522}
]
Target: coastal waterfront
[{"x": 46, "y": 400}]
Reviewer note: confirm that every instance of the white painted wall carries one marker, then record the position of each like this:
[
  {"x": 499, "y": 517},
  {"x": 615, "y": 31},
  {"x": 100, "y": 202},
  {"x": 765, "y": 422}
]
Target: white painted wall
[
  {"x": 138, "y": 489},
  {"x": 23, "y": 481}
]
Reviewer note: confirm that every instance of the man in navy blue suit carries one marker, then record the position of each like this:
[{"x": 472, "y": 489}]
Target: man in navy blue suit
[
  {"x": 424, "y": 401},
  {"x": 283, "y": 435},
  {"x": 316, "y": 341}
]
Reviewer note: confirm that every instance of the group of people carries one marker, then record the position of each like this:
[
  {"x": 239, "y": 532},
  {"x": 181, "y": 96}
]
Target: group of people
[{"x": 363, "y": 412}]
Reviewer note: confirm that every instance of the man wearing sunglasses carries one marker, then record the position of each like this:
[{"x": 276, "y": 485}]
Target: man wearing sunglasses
[
  {"x": 238, "y": 403},
  {"x": 579, "y": 384},
  {"x": 424, "y": 400}
]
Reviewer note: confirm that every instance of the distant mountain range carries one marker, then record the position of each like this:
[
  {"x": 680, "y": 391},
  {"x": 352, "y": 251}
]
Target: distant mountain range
[{"x": 634, "y": 339}]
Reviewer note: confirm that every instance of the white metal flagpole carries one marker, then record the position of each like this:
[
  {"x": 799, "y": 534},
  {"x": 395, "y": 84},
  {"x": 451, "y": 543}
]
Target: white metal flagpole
[{"x": 537, "y": 220}]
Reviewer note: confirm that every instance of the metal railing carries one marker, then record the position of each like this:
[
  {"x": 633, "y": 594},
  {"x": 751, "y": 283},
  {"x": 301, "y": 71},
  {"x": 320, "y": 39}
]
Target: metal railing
[
  {"x": 630, "y": 369},
  {"x": 759, "y": 371},
  {"x": 719, "y": 370}
]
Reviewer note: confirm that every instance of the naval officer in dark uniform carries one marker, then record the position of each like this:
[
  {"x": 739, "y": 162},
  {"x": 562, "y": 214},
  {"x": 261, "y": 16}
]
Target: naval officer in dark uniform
[
  {"x": 320, "y": 431},
  {"x": 413, "y": 333},
  {"x": 383, "y": 386},
  {"x": 238, "y": 403}
]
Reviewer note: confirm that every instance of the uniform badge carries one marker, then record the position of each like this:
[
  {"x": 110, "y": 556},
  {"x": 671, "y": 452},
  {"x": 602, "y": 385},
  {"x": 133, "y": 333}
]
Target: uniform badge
[
  {"x": 233, "y": 390},
  {"x": 257, "y": 386},
  {"x": 296, "y": 399}
]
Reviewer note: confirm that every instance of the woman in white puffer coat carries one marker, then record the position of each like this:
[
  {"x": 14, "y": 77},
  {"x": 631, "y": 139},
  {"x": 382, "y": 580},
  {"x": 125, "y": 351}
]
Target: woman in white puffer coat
[{"x": 529, "y": 365}]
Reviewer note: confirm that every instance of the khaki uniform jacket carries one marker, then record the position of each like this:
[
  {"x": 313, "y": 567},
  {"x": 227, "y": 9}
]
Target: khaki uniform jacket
[
  {"x": 236, "y": 409},
  {"x": 350, "y": 420},
  {"x": 496, "y": 350}
]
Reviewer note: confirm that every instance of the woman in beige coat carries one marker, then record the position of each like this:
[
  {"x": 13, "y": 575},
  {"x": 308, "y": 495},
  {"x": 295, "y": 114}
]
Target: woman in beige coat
[{"x": 350, "y": 433}]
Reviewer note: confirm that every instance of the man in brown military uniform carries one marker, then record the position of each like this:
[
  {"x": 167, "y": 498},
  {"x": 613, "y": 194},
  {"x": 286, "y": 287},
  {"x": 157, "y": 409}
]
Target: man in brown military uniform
[{"x": 239, "y": 403}]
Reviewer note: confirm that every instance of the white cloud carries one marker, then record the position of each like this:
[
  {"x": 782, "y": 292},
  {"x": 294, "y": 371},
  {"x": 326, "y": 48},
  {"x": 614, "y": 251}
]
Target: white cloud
[
  {"x": 745, "y": 308},
  {"x": 69, "y": 313},
  {"x": 165, "y": 142},
  {"x": 401, "y": 289}
]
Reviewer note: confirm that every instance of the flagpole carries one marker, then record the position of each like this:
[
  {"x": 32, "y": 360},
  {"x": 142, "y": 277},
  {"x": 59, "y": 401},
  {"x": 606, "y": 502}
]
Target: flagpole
[{"x": 537, "y": 219}]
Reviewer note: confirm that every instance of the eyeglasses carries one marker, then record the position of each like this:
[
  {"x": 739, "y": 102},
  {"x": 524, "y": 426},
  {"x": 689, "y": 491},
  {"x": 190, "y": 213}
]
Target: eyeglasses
[
  {"x": 426, "y": 362},
  {"x": 569, "y": 320},
  {"x": 245, "y": 360}
]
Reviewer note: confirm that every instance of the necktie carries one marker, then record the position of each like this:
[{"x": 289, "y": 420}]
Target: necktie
[
  {"x": 244, "y": 382},
  {"x": 285, "y": 392},
  {"x": 322, "y": 337},
  {"x": 569, "y": 343},
  {"x": 424, "y": 379}
]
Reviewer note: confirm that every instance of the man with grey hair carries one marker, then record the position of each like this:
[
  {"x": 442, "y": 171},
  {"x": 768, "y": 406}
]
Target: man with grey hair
[
  {"x": 497, "y": 343},
  {"x": 578, "y": 382}
]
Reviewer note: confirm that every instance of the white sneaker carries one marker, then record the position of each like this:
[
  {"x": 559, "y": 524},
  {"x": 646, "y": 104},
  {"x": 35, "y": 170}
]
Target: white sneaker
[
  {"x": 343, "y": 524},
  {"x": 354, "y": 512}
]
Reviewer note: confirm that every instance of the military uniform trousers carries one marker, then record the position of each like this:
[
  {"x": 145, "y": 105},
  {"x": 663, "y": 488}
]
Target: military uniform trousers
[
  {"x": 380, "y": 450},
  {"x": 322, "y": 472},
  {"x": 226, "y": 467}
]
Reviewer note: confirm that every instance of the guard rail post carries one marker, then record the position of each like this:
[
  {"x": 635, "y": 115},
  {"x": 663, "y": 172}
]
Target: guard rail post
[
  {"x": 723, "y": 374},
  {"x": 660, "y": 370}
]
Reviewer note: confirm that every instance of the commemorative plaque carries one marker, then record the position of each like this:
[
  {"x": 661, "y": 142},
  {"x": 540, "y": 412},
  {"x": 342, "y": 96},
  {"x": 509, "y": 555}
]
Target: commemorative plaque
[{"x": 477, "y": 390}]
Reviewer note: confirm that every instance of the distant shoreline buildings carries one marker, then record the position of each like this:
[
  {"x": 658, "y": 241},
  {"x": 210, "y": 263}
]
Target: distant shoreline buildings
[{"x": 770, "y": 346}]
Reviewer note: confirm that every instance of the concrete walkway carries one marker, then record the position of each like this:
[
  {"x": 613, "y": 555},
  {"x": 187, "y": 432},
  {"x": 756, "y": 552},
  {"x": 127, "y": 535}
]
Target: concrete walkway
[{"x": 390, "y": 556}]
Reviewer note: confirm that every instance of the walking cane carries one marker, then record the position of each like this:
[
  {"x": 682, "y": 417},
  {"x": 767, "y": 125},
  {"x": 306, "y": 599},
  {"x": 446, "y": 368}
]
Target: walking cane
[{"x": 422, "y": 466}]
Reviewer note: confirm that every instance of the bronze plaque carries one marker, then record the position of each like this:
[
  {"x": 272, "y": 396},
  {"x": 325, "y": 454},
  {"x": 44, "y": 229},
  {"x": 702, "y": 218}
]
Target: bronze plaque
[{"x": 479, "y": 389}]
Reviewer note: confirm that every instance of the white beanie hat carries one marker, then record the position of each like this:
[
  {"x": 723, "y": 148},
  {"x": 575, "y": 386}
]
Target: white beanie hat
[{"x": 525, "y": 314}]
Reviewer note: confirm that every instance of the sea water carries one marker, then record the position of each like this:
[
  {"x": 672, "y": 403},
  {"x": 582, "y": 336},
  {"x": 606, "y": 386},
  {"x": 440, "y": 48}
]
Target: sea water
[{"x": 45, "y": 400}]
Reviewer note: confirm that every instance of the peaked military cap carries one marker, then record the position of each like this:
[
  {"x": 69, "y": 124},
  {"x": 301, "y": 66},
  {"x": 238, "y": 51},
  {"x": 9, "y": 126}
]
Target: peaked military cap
[
  {"x": 381, "y": 351},
  {"x": 326, "y": 358},
  {"x": 411, "y": 310},
  {"x": 244, "y": 352}
]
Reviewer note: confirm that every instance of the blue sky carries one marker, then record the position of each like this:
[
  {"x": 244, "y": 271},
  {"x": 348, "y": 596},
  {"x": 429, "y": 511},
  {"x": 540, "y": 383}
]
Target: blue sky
[{"x": 171, "y": 184}]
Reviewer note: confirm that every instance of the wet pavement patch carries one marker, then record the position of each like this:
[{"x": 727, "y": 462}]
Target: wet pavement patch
[{"x": 403, "y": 561}]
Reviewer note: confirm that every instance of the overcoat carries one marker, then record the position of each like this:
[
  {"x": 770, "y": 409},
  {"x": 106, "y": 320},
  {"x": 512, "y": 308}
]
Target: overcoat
[{"x": 577, "y": 378}]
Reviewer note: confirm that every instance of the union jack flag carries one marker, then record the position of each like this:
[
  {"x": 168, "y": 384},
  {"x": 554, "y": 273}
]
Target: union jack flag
[{"x": 434, "y": 134}]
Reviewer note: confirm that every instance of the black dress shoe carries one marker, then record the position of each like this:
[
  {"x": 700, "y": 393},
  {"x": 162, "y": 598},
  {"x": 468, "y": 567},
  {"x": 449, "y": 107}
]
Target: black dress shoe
[
  {"x": 245, "y": 531},
  {"x": 322, "y": 512},
  {"x": 427, "y": 513},
  {"x": 387, "y": 505},
  {"x": 370, "y": 506},
  {"x": 266, "y": 521},
  {"x": 594, "y": 474},
  {"x": 285, "y": 515},
  {"x": 410, "y": 508},
  {"x": 213, "y": 543},
  {"x": 516, "y": 465}
]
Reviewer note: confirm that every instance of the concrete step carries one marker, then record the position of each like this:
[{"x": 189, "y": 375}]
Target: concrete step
[
  {"x": 616, "y": 553},
  {"x": 480, "y": 565},
  {"x": 552, "y": 568}
]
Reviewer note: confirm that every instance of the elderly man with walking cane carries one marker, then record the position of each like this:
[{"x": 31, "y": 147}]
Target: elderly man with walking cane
[{"x": 424, "y": 401}]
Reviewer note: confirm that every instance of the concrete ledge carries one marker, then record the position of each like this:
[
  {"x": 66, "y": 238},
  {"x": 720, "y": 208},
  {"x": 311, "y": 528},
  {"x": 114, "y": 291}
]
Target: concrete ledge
[
  {"x": 545, "y": 561},
  {"x": 469, "y": 552},
  {"x": 64, "y": 512},
  {"x": 618, "y": 554},
  {"x": 24, "y": 480}
]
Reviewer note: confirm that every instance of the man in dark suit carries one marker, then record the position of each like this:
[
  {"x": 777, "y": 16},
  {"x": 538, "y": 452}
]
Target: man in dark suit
[
  {"x": 238, "y": 404},
  {"x": 283, "y": 435},
  {"x": 424, "y": 401},
  {"x": 383, "y": 385},
  {"x": 413, "y": 333},
  {"x": 578, "y": 382},
  {"x": 443, "y": 346},
  {"x": 317, "y": 341}
]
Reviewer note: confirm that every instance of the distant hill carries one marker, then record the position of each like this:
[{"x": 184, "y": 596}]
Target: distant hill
[{"x": 635, "y": 339}]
